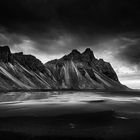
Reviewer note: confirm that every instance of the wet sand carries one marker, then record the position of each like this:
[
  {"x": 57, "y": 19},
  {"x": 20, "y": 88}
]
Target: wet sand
[{"x": 72, "y": 117}]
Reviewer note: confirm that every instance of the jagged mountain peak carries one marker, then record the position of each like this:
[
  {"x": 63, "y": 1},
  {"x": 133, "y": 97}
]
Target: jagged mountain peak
[
  {"x": 5, "y": 49},
  {"x": 88, "y": 50},
  {"x": 28, "y": 61},
  {"x": 5, "y": 54},
  {"x": 84, "y": 71},
  {"x": 88, "y": 55},
  {"x": 75, "y": 51},
  {"x": 75, "y": 55}
]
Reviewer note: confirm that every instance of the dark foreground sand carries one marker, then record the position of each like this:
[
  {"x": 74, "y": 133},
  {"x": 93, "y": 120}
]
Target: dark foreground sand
[
  {"x": 103, "y": 118},
  {"x": 99, "y": 125}
]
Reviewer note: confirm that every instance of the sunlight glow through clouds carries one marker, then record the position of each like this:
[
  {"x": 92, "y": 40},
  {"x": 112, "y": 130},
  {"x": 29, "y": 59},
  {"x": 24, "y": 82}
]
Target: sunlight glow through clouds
[
  {"x": 27, "y": 47},
  {"x": 132, "y": 83}
]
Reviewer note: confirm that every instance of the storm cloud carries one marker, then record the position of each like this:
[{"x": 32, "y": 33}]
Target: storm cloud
[
  {"x": 58, "y": 26},
  {"x": 130, "y": 51},
  {"x": 76, "y": 16}
]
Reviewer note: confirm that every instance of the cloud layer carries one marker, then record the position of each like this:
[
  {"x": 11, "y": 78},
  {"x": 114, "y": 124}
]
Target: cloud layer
[{"x": 56, "y": 27}]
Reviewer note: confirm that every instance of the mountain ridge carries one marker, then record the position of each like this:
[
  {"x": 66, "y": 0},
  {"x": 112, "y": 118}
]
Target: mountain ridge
[
  {"x": 73, "y": 71},
  {"x": 88, "y": 58},
  {"x": 84, "y": 70}
]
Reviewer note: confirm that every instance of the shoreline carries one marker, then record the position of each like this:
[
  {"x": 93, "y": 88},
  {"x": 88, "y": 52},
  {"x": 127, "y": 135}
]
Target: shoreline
[{"x": 84, "y": 90}]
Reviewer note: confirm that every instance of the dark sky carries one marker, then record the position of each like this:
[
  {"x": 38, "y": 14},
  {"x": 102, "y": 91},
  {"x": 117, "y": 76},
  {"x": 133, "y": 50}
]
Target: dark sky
[
  {"x": 75, "y": 16},
  {"x": 50, "y": 28},
  {"x": 85, "y": 21}
]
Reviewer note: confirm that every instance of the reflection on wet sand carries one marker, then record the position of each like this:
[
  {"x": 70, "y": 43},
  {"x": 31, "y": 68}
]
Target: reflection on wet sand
[{"x": 79, "y": 114}]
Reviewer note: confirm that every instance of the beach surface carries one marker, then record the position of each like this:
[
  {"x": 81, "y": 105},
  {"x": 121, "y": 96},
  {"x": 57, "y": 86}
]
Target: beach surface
[{"x": 70, "y": 115}]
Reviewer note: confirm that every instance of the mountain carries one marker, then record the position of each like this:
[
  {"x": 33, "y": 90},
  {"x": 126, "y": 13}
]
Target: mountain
[
  {"x": 19, "y": 71},
  {"x": 73, "y": 71},
  {"x": 83, "y": 71}
]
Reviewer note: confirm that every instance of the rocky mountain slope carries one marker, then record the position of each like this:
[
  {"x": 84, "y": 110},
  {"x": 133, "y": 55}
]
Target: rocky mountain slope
[
  {"x": 19, "y": 71},
  {"x": 73, "y": 71},
  {"x": 83, "y": 71}
]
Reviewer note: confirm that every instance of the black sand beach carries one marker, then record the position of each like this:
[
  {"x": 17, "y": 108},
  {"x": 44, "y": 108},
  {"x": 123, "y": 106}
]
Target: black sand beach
[{"x": 103, "y": 117}]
